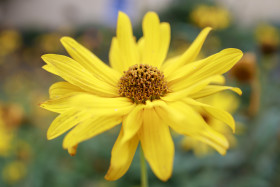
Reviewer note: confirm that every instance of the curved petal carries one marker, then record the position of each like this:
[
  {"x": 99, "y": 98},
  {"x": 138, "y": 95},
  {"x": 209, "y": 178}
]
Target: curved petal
[
  {"x": 214, "y": 65},
  {"x": 88, "y": 129},
  {"x": 124, "y": 45},
  {"x": 60, "y": 89},
  {"x": 214, "y": 112},
  {"x": 132, "y": 122},
  {"x": 156, "y": 39},
  {"x": 77, "y": 75},
  {"x": 157, "y": 144},
  {"x": 66, "y": 121},
  {"x": 90, "y": 62},
  {"x": 118, "y": 106},
  {"x": 189, "y": 55},
  {"x": 190, "y": 123},
  {"x": 121, "y": 156},
  {"x": 212, "y": 89}
]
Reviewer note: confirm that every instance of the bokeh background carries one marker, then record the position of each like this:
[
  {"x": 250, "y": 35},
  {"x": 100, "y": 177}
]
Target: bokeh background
[{"x": 31, "y": 28}]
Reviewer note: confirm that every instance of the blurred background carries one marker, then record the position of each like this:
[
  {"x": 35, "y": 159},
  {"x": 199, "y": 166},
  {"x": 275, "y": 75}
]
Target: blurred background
[{"x": 31, "y": 28}]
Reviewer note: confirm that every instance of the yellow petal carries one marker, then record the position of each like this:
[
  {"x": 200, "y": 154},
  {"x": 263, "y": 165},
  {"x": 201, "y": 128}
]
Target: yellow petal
[
  {"x": 177, "y": 95},
  {"x": 192, "y": 125},
  {"x": 157, "y": 144},
  {"x": 88, "y": 129},
  {"x": 115, "y": 57},
  {"x": 58, "y": 105},
  {"x": 189, "y": 55},
  {"x": 214, "y": 65},
  {"x": 118, "y": 106},
  {"x": 60, "y": 89},
  {"x": 77, "y": 75},
  {"x": 212, "y": 89},
  {"x": 214, "y": 112},
  {"x": 125, "y": 46},
  {"x": 121, "y": 156},
  {"x": 90, "y": 62},
  {"x": 132, "y": 122},
  {"x": 72, "y": 150},
  {"x": 50, "y": 69},
  {"x": 66, "y": 121},
  {"x": 218, "y": 79},
  {"x": 156, "y": 39}
]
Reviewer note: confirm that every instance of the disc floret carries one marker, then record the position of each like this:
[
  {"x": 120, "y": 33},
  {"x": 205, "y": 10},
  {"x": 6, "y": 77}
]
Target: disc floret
[{"x": 142, "y": 82}]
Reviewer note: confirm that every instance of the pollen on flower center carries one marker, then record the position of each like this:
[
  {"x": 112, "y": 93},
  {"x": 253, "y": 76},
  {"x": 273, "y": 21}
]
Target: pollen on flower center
[{"x": 142, "y": 82}]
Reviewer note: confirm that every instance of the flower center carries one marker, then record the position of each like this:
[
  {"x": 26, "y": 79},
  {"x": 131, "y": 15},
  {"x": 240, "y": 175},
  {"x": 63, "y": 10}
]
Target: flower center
[{"x": 142, "y": 82}]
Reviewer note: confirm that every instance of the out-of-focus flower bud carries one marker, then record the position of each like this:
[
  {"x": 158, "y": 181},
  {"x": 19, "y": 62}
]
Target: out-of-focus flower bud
[
  {"x": 245, "y": 70},
  {"x": 268, "y": 38},
  {"x": 12, "y": 115}
]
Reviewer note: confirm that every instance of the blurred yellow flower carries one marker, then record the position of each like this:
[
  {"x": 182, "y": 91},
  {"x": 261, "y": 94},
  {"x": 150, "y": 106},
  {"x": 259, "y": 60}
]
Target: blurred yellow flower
[
  {"x": 6, "y": 137},
  {"x": 268, "y": 38},
  {"x": 246, "y": 69},
  {"x": 10, "y": 40},
  {"x": 212, "y": 16},
  {"x": 13, "y": 172},
  {"x": 223, "y": 101},
  {"x": 140, "y": 91}
]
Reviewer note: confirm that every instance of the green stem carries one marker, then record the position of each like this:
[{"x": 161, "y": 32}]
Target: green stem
[{"x": 144, "y": 175}]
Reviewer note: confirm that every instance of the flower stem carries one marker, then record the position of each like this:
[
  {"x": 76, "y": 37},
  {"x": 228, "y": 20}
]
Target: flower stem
[{"x": 144, "y": 175}]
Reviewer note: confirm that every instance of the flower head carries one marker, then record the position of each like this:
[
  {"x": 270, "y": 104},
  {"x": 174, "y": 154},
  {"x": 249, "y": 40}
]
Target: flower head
[{"x": 140, "y": 91}]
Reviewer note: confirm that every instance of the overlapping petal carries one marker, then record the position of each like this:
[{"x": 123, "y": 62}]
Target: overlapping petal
[
  {"x": 188, "y": 122},
  {"x": 123, "y": 52},
  {"x": 74, "y": 73},
  {"x": 214, "y": 112},
  {"x": 157, "y": 144},
  {"x": 90, "y": 62},
  {"x": 89, "y": 128},
  {"x": 121, "y": 156},
  {"x": 194, "y": 72},
  {"x": 188, "y": 56},
  {"x": 156, "y": 40}
]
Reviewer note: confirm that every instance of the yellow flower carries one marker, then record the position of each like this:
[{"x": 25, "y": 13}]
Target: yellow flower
[
  {"x": 212, "y": 16},
  {"x": 140, "y": 91},
  {"x": 268, "y": 38},
  {"x": 223, "y": 101},
  {"x": 14, "y": 172},
  {"x": 6, "y": 137}
]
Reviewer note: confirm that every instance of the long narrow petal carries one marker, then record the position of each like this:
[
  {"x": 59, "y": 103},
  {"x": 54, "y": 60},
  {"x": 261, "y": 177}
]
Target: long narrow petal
[
  {"x": 88, "y": 129},
  {"x": 157, "y": 144},
  {"x": 76, "y": 74},
  {"x": 189, "y": 55},
  {"x": 115, "y": 57},
  {"x": 126, "y": 45},
  {"x": 60, "y": 89},
  {"x": 50, "y": 68},
  {"x": 118, "y": 106},
  {"x": 156, "y": 39},
  {"x": 133, "y": 122},
  {"x": 212, "y": 89},
  {"x": 214, "y": 65},
  {"x": 214, "y": 112},
  {"x": 90, "y": 62},
  {"x": 192, "y": 124},
  {"x": 121, "y": 156},
  {"x": 66, "y": 121},
  {"x": 59, "y": 105}
]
